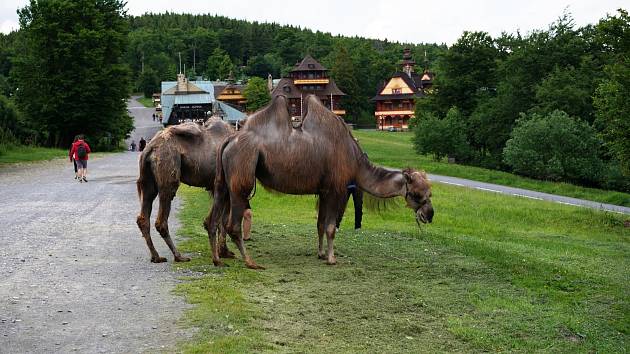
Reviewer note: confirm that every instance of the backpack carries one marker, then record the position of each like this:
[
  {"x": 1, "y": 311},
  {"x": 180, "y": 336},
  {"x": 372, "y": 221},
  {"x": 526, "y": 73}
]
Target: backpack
[{"x": 81, "y": 151}]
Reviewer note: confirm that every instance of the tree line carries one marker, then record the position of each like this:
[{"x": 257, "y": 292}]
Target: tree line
[{"x": 551, "y": 104}]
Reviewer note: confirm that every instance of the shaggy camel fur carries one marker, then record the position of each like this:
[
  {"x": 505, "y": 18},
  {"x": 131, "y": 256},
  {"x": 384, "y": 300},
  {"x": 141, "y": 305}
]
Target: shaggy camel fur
[
  {"x": 320, "y": 157},
  {"x": 181, "y": 153}
]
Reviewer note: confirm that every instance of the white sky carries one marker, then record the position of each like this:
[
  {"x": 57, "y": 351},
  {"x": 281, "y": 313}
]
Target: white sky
[{"x": 411, "y": 21}]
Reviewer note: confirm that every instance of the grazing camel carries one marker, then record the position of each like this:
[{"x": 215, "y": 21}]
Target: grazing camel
[
  {"x": 182, "y": 153},
  {"x": 319, "y": 157}
]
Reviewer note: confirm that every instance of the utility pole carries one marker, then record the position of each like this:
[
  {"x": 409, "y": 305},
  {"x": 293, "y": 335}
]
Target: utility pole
[
  {"x": 194, "y": 60},
  {"x": 142, "y": 62},
  {"x": 180, "y": 61}
]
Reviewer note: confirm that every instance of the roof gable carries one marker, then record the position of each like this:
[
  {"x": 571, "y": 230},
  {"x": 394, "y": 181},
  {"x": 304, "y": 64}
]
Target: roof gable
[
  {"x": 397, "y": 86},
  {"x": 308, "y": 63}
]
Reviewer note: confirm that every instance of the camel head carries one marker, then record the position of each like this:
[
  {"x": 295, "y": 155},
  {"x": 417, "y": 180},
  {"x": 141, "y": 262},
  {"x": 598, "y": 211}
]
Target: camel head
[{"x": 418, "y": 195}]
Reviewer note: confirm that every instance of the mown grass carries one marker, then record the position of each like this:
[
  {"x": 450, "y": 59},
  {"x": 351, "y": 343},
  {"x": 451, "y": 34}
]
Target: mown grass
[
  {"x": 396, "y": 150},
  {"x": 492, "y": 273},
  {"x": 146, "y": 101},
  {"x": 14, "y": 154}
]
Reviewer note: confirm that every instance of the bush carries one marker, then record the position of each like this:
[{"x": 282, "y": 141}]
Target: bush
[
  {"x": 554, "y": 147},
  {"x": 442, "y": 137}
]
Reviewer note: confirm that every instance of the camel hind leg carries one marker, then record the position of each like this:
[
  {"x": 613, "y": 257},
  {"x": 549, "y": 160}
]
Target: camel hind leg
[
  {"x": 238, "y": 206},
  {"x": 330, "y": 207},
  {"x": 148, "y": 192},
  {"x": 161, "y": 223}
]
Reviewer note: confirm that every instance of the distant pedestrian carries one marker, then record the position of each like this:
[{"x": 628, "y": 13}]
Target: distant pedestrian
[
  {"x": 153, "y": 115},
  {"x": 143, "y": 144},
  {"x": 132, "y": 147},
  {"x": 80, "y": 151},
  {"x": 74, "y": 162}
]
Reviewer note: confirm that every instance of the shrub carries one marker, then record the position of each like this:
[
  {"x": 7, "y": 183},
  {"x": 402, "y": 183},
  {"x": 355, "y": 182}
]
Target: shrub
[
  {"x": 554, "y": 147},
  {"x": 442, "y": 137}
]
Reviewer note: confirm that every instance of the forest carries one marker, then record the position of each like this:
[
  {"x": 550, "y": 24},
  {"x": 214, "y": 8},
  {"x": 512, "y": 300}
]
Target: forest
[{"x": 549, "y": 104}]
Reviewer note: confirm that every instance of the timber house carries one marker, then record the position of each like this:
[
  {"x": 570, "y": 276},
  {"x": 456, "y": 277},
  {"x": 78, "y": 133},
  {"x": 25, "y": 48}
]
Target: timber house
[
  {"x": 309, "y": 76},
  {"x": 395, "y": 98}
]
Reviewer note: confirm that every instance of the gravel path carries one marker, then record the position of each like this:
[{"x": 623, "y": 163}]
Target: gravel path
[{"x": 75, "y": 276}]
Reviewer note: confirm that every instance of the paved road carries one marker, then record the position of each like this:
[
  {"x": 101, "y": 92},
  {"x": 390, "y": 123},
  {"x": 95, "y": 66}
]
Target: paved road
[
  {"x": 525, "y": 193},
  {"x": 75, "y": 274}
]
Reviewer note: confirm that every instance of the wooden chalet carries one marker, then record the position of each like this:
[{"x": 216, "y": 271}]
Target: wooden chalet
[
  {"x": 395, "y": 98},
  {"x": 309, "y": 76},
  {"x": 231, "y": 93}
]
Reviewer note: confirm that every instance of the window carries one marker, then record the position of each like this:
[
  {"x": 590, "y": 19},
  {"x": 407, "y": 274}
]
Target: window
[
  {"x": 311, "y": 66},
  {"x": 396, "y": 91}
]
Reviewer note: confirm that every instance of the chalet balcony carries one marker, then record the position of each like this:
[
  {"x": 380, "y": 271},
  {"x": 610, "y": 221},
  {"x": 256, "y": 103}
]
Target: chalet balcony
[
  {"x": 395, "y": 112},
  {"x": 311, "y": 81}
]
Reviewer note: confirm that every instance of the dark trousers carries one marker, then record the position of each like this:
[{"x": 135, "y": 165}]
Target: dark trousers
[
  {"x": 75, "y": 166},
  {"x": 357, "y": 199}
]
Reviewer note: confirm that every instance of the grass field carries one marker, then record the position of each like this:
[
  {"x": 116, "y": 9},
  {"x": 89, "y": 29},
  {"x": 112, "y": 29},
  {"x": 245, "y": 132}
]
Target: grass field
[
  {"x": 16, "y": 154},
  {"x": 492, "y": 273},
  {"x": 147, "y": 102},
  {"x": 396, "y": 150}
]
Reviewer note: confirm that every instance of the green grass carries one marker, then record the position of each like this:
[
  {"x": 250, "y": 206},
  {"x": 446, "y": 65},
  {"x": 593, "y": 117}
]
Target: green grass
[
  {"x": 396, "y": 150},
  {"x": 492, "y": 273},
  {"x": 147, "y": 102},
  {"x": 15, "y": 154}
]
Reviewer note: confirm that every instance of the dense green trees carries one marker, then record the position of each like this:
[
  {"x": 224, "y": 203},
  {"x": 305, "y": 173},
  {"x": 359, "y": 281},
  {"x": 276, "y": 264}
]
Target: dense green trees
[
  {"x": 69, "y": 70},
  {"x": 256, "y": 93},
  {"x": 564, "y": 71}
]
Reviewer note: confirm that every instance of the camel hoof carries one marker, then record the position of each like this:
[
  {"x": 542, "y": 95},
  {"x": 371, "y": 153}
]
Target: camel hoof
[
  {"x": 254, "y": 266},
  {"x": 332, "y": 261},
  {"x": 321, "y": 256},
  {"x": 247, "y": 238},
  {"x": 219, "y": 264},
  {"x": 182, "y": 259},
  {"x": 227, "y": 254},
  {"x": 158, "y": 259}
]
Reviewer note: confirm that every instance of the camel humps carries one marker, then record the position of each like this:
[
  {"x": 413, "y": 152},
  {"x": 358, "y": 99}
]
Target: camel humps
[
  {"x": 182, "y": 153},
  {"x": 319, "y": 157}
]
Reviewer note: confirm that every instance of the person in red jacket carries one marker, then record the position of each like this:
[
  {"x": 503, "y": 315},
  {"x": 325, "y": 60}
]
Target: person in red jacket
[{"x": 80, "y": 151}]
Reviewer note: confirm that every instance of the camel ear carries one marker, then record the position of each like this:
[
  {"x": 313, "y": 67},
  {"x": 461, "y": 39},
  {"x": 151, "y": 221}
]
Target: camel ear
[{"x": 407, "y": 176}]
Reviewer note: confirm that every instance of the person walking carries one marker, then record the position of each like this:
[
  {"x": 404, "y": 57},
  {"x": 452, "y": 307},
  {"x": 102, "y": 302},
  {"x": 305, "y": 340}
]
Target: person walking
[
  {"x": 74, "y": 162},
  {"x": 80, "y": 151},
  {"x": 143, "y": 144},
  {"x": 132, "y": 147}
]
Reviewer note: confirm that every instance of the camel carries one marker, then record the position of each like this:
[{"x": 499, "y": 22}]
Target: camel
[
  {"x": 181, "y": 153},
  {"x": 319, "y": 157}
]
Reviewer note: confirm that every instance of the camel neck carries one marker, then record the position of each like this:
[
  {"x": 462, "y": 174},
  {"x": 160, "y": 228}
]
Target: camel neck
[{"x": 380, "y": 182}]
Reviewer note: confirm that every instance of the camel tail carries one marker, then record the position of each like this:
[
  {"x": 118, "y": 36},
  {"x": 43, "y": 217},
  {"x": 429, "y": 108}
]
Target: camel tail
[
  {"x": 144, "y": 168},
  {"x": 220, "y": 182}
]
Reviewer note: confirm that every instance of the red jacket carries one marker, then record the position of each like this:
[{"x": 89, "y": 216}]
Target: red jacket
[{"x": 75, "y": 146}]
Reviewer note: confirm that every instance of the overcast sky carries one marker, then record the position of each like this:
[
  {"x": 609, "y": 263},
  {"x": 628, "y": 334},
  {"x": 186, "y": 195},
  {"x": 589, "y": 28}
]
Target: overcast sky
[{"x": 412, "y": 21}]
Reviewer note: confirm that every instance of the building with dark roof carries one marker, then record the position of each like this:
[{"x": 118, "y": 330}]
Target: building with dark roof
[
  {"x": 395, "y": 98},
  {"x": 309, "y": 76},
  {"x": 231, "y": 93},
  {"x": 193, "y": 101}
]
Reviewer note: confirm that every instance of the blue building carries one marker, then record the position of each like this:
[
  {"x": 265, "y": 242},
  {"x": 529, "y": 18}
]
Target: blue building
[{"x": 193, "y": 101}]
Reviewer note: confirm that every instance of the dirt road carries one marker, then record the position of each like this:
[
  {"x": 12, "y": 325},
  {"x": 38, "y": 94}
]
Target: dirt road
[{"x": 75, "y": 274}]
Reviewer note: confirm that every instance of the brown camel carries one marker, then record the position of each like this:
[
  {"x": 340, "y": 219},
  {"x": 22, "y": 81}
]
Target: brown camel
[
  {"x": 320, "y": 157},
  {"x": 182, "y": 153}
]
